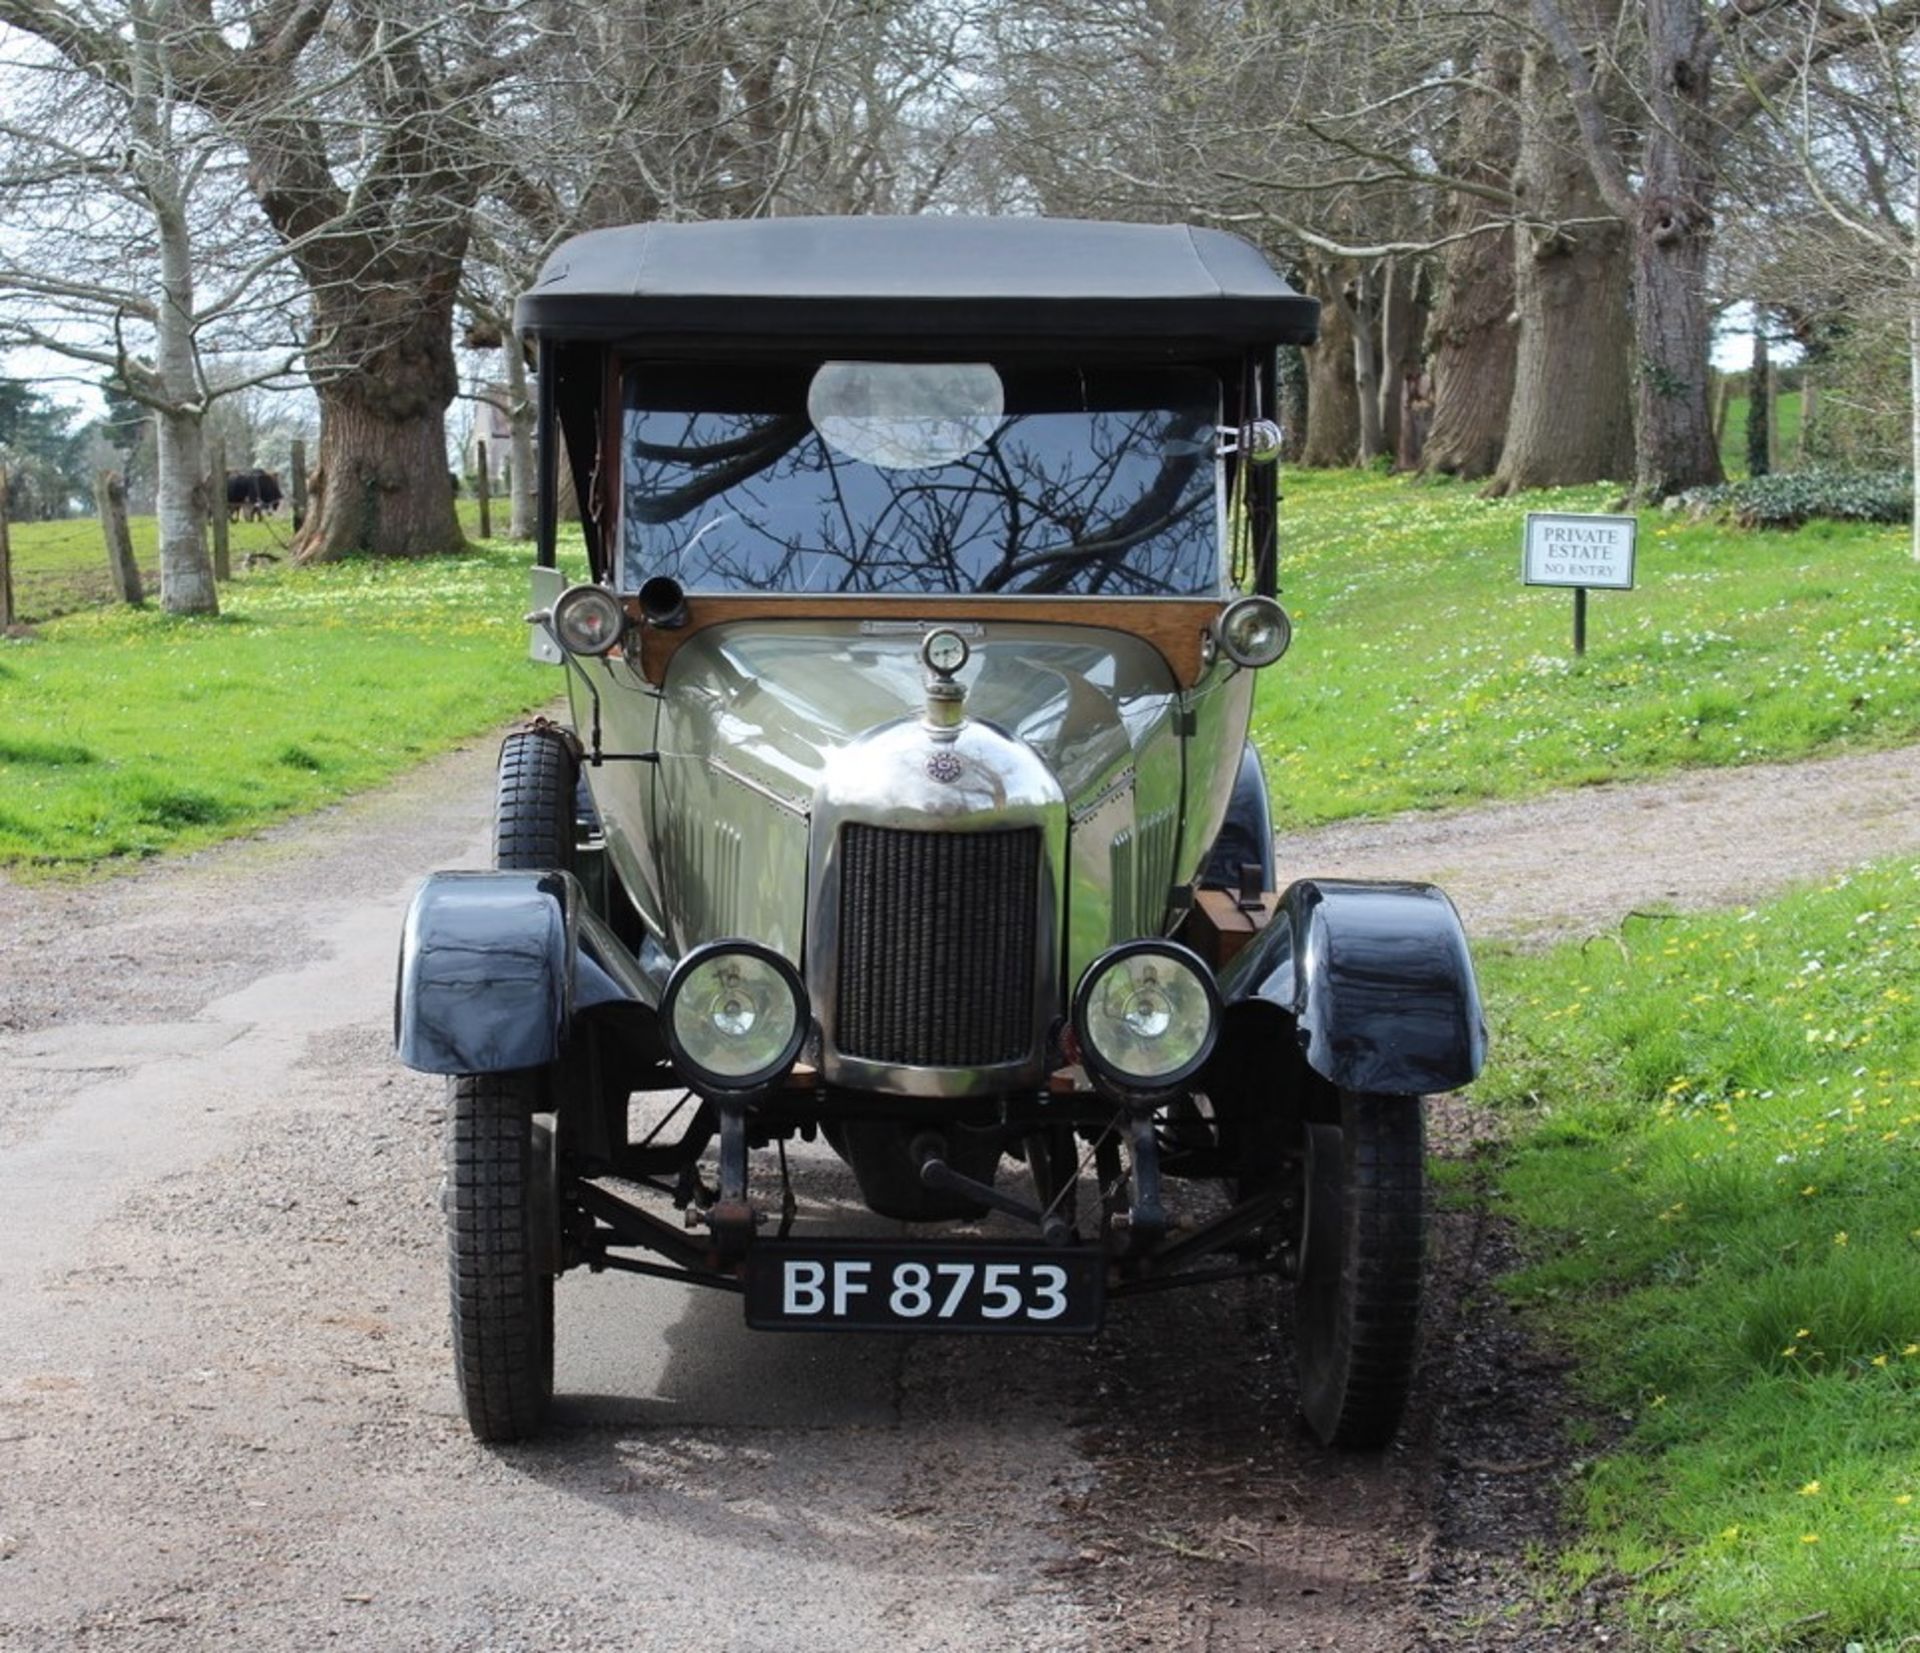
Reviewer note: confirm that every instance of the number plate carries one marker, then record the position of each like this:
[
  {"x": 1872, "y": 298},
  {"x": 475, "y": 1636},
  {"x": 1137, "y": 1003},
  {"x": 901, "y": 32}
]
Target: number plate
[{"x": 900, "y": 1286}]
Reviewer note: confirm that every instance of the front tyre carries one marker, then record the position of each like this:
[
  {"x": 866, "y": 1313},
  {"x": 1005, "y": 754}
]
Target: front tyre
[
  {"x": 1357, "y": 1304},
  {"x": 534, "y": 802},
  {"x": 500, "y": 1206}
]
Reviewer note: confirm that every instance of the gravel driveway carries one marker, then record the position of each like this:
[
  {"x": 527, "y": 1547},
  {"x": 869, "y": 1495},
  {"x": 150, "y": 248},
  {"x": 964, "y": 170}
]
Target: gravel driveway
[{"x": 225, "y": 1412}]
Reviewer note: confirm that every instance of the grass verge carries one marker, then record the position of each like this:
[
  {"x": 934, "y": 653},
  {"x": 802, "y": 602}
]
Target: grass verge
[
  {"x": 1722, "y": 1194},
  {"x": 62, "y": 566},
  {"x": 1424, "y": 674},
  {"x": 124, "y": 732}
]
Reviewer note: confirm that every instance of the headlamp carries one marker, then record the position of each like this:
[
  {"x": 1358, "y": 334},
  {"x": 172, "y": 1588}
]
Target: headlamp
[
  {"x": 1253, "y": 631},
  {"x": 1147, "y": 1014},
  {"x": 588, "y": 619},
  {"x": 735, "y": 1016}
]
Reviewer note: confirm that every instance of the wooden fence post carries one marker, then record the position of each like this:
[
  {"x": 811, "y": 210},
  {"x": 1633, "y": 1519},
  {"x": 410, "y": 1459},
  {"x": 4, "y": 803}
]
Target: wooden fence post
[
  {"x": 110, "y": 495},
  {"x": 298, "y": 465},
  {"x": 480, "y": 492},
  {"x": 6, "y": 558},
  {"x": 217, "y": 509}
]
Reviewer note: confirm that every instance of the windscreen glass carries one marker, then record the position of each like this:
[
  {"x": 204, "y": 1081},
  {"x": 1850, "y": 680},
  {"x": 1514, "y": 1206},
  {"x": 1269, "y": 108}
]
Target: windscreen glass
[{"x": 954, "y": 477}]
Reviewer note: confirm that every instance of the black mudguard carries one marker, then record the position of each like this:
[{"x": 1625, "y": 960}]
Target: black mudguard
[
  {"x": 1376, "y": 981},
  {"x": 496, "y": 966},
  {"x": 1246, "y": 836}
]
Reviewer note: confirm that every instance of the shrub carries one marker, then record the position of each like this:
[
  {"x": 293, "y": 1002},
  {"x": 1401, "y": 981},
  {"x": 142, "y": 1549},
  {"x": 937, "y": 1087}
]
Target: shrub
[{"x": 1788, "y": 500}]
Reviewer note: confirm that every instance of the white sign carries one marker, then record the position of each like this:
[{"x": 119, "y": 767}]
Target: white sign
[{"x": 1593, "y": 551}]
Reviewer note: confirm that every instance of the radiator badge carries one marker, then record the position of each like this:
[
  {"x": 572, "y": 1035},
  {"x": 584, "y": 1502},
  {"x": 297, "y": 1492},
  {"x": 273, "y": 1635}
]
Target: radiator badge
[{"x": 944, "y": 766}]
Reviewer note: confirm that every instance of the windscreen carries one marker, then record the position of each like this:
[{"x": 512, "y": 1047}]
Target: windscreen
[{"x": 877, "y": 478}]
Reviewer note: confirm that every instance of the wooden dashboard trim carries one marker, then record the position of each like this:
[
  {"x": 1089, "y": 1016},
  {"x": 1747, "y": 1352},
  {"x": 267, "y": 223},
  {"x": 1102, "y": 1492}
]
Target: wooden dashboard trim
[{"x": 1176, "y": 627}]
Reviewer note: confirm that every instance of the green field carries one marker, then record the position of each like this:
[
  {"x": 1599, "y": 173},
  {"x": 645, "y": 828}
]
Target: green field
[
  {"x": 1786, "y": 426},
  {"x": 59, "y": 567},
  {"x": 1718, "y": 1172},
  {"x": 1424, "y": 674},
  {"x": 124, "y": 732}
]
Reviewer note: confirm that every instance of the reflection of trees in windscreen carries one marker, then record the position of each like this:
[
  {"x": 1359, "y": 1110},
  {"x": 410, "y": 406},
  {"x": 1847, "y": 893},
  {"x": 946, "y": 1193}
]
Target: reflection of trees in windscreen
[{"x": 1115, "y": 504}]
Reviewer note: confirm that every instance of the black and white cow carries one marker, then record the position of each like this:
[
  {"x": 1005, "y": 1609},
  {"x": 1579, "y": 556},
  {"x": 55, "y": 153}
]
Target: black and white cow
[{"x": 252, "y": 494}]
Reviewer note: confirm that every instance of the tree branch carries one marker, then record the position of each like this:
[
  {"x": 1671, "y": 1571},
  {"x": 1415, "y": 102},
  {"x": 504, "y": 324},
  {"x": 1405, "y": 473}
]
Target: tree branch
[{"x": 1604, "y": 160}]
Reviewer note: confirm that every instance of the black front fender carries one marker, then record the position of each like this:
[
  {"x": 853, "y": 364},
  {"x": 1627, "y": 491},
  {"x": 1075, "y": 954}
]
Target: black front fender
[
  {"x": 495, "y": 966},
  {"x": 1376, "y": 980}
]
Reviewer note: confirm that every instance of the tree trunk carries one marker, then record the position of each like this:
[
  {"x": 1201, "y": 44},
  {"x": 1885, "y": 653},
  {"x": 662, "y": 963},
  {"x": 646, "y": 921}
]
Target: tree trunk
[
  {"x": 1362, "y": 299},
  {"x": 217, "y": 518},
  {"x": 382, "y": 277},
  {"x": 483, "y": 489},
  {"x": 1472, "y": 337},
  {"x": 180, "y": 503},
  {"x": 382, "y": 484},
  {"x": 1291, "y": 373},
  {"x": 110, "y": 497},
  {"x": 1913, "y": 376},
  {"x": 1402, "y": 326},
  {"x": 6, "y": 558},
  {"x": 522, "y": 479},
  {"x": 186, "y": 571},
  {"x": 1571, "y": 418},
  {"x": 1333, "y": 403},
  {"x": 297, "y": 494},
  {"x": 1759, "y": 404},
  {"x": 1672, "y": 320}
]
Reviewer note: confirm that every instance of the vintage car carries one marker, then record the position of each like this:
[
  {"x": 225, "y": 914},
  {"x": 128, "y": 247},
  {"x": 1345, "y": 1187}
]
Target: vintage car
[{"x": 907, "y": 804}]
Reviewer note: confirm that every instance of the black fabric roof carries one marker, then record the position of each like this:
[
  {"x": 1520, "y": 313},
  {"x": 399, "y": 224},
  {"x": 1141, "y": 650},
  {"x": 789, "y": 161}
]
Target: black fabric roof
[{"x": 1017, "y": 279}]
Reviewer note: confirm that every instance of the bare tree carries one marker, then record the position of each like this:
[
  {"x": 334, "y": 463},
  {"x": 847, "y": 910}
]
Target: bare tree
[
  {"x": 1377, "y": 151},
  {"x": 1854, "y": 128},
  {"x": 1664, "y": 184},
  {"x": 359, "y": 121},
  {"x": 1474, "y": 328},
  {"x": 639, "y": 110},
  {"x": 122, "y": 194},
  {"x": 364, "y": 123},
  {"x": 1571, "y": 418}
]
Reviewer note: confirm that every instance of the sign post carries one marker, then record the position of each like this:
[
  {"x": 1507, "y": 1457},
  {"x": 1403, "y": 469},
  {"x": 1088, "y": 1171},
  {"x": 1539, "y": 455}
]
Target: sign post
[{"x": 1584, "y": 552}]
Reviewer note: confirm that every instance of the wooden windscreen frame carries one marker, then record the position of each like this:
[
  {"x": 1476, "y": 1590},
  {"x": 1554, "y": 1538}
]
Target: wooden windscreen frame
[{"x": 1178, "y": 628}]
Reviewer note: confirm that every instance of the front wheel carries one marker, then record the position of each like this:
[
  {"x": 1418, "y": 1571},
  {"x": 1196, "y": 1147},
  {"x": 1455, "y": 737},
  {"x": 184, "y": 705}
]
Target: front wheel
[
  {"x": 500, "y": 1203},
  {"x": 534, "y": 801},
  {"x": 1357, "y": 1303}
]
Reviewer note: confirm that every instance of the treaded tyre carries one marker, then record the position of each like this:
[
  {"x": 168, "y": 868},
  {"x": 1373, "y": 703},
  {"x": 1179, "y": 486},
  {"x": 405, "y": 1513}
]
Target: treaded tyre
[
  {"x": 533, "y": 802},
  {"x": 1357, "y": 1304},
  {"x": 499, "y": 1207}
]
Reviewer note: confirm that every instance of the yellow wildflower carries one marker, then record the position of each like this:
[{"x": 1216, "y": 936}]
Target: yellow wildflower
[
  {"x": 1809, "y": 1538},
  {"x": 1810, "y": 1490}
]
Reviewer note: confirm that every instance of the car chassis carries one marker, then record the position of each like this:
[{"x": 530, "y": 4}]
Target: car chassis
[{"x": 961, "y": 861}]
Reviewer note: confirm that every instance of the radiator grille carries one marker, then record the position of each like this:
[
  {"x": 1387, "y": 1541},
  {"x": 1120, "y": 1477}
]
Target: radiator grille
[{"x": 937, "y": 940}]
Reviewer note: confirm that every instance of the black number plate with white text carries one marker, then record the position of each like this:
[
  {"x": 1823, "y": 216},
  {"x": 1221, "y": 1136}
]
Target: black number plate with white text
[{"x": 904, "y": 1286}]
